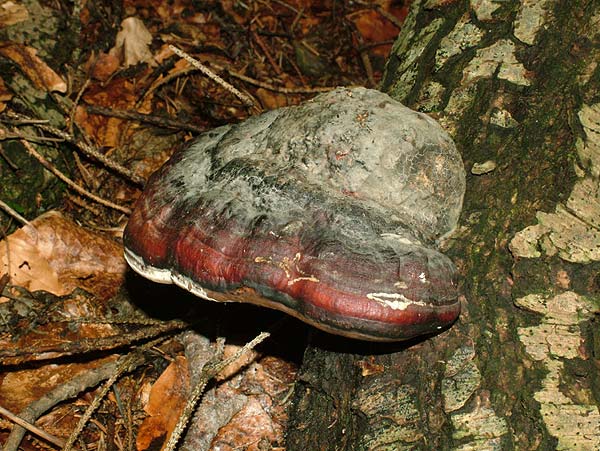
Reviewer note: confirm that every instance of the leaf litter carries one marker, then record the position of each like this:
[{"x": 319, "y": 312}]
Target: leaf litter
[{"x": 69, "y": 307}]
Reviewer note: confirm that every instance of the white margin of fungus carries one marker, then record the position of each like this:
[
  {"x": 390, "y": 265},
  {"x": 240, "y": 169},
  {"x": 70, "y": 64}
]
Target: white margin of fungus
[{"x": 164, "y": 276}]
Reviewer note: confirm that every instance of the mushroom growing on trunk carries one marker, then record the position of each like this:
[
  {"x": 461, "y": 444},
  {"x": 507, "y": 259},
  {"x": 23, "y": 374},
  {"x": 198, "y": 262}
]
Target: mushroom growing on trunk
[{"x": 329, "y": 211}]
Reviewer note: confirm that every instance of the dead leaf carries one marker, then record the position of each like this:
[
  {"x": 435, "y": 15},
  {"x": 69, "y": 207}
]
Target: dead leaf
[
  {"x": 19, "y": 388},
  {"x": 260, "y": 423},
  {"x": 102, "y": 66},
  {"x": 235, "y": 366},
  {"x": 133, "y": 43},
  {"x": 369, "y": 367},
  {"x": 44, "y": 327},
  {"x": 57, "y": 256},
  {"x": 271, "y": 100},
  {"x": 168, "y": 397},
  {"x": 26, "y": 267},
  {"x": 119, "y": 93},
  {"x": 5, "y": 95},
  {"x": 42, "y": 76},
  {"x": 12, "y": 13},
  {"x": 373, "y": 26}
]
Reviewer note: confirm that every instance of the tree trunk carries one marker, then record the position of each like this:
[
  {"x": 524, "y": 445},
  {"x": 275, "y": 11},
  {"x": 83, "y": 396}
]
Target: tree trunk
[{"x": 517, "y": 85}]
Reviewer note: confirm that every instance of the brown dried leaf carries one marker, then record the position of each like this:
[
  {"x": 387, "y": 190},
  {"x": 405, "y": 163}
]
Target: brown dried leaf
[
  {"x": 48, "y": 327},
  {"x": 167, "y": 400},
  {"x": 369, "y": 367},
  {"x": 21, "y": 387},
  {"x": 373, "y": 27},
  {"x": 102, "y": 66},
  {"x": 28, "y": 268},
  {"x": 271, "y": 100},
  {"x": 42, "y": 76},
  {"x": 5, "y": 95},
  {"x": 59, "y": 256},
  {"x": 119, "y": 93},
  {"x": 236, "y": 365},
  {"x": 133, "y": 43},
  {"x": 261, "y": 421},
  {"x": 229, "y": 8},
  {"x": 12, "y": 13}
]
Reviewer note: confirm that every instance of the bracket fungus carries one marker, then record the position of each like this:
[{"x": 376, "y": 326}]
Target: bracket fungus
[{"x": 329, "y": 211}]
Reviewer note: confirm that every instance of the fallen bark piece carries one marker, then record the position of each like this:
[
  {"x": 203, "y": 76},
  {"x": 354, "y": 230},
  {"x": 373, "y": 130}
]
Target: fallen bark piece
[{"x": 328, "y": 211}]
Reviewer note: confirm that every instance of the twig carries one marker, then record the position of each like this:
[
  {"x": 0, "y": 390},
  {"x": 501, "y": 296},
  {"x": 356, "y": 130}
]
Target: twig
[
  {"x": 239, "y": 76},
  {"x": 88, "y": 150},
  {"x": 25, "y": 223},
  {"x": 75, "y": 103},
  {"x": 290, "y": 7},
  {"x": 267, "y": 53},
  {"x": 247, "y": 101},
  {"x": 125, "y": 364},
  {"x": 10, "y": 163},
  {"x": 373, "y": 45},
  {"x": 271, "y": 87},
  {"x": 83, "y": 204},
  {"x": 35, "y": 139},
  {"x": 163, "y": 81},
  {"x": 14, "y": 214},
  {"x": 389, "y": 17},
  {"x": 17, "y": 119},
  {"x": 129, "y": 420},
  {"x": 299, "y": 15},
  {"x": 32, "y": 428},
  {"x": 19, "y": 355},
  {"x": 92, "y": 152},
  {"x": 159, "y": 121},
  {"x": 299, "y": 74},
  {"x": 210, "y": 370},
  {"x": 364, "y": 56},
  {"x": 34, "y": 153},
  {"x": 76, "y": 385},
  {"x": 85, "y": 174}
]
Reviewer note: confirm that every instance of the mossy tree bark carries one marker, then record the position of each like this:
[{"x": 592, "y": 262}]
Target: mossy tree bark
[{"x": 517, "y": 85}]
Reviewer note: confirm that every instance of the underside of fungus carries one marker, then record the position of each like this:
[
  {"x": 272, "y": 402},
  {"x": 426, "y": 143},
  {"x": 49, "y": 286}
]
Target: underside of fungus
[{"x": 328, "y": 211}]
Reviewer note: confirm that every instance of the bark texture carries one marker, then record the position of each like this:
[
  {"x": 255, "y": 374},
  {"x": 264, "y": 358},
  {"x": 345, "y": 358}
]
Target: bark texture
[{"x": 516, "y": 84}]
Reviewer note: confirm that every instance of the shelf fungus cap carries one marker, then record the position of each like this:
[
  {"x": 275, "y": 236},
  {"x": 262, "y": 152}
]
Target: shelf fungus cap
[{"x": 328, "y": 211}]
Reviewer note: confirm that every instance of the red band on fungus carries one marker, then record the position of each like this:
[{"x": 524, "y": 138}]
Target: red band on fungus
[{"x": 328, "y": 211}]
